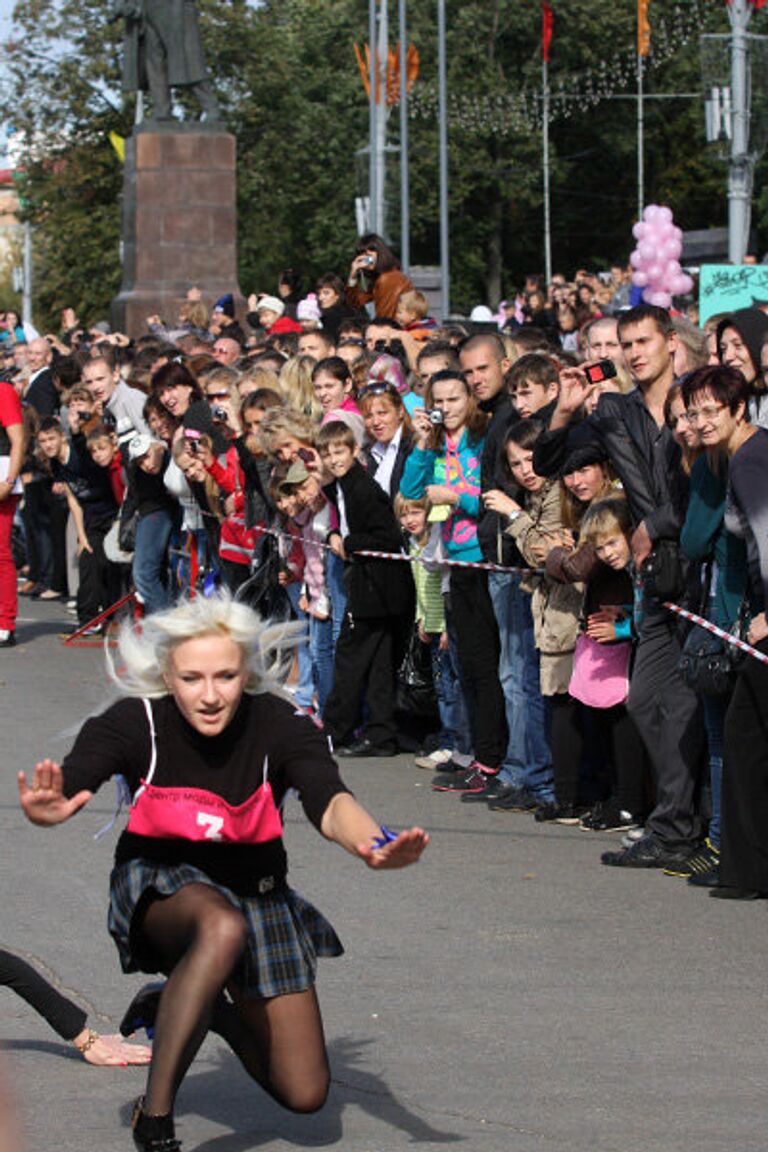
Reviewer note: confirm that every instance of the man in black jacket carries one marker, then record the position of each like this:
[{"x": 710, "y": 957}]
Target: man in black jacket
[{"x": 633, "y": 433}]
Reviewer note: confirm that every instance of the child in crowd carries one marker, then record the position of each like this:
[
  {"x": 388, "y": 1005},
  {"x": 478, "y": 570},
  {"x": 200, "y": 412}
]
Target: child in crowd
[
  {"x": 93, "y": 509},
  {"x": 620, "y": 762},
  {"x": 412, "y": 314},
  {"x": 304, "y": 514},
  {"x": 185, "y": 470},
  {"x": 602, "y": 661},
  {"x": 535, "y": 524},
  {"x": 533, "y": 382},
  {"x": 380, "y": 605},
  {"x": 431, "y": 613},
  {"x": 105, "y": 452},
  {"x": 333, "y": 386}
]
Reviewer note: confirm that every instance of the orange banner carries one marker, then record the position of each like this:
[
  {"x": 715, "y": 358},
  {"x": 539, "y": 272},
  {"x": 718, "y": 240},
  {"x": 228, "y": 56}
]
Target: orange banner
[{"x": 643, "y": 29}]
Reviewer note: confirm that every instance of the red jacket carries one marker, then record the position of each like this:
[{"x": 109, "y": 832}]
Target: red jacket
[
  {"x": 237, "y": 542},
  {"x": 284, "y": 324}
]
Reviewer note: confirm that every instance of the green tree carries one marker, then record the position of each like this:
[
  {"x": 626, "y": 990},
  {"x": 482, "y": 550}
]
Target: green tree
[{"x": 291, "y": 93}]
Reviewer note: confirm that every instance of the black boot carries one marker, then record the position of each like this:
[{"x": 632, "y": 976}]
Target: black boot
[
  {"x": 153, "y": 1133},
  {"x": 142, "y": 1011}
]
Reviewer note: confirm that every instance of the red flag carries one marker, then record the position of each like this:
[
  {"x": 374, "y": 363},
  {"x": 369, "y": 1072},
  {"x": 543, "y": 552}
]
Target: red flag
[{"x": 547, "y": 24}]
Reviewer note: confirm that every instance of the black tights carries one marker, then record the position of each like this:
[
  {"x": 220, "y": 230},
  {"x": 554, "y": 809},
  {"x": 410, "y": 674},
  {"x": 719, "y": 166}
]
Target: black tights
[
  {"x": 622, "y": 753},
  {"x": 199, "y": 937}
]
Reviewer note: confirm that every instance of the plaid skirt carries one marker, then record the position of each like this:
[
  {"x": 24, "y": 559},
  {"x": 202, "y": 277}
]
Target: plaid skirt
[{"x": 285, "y": 933}]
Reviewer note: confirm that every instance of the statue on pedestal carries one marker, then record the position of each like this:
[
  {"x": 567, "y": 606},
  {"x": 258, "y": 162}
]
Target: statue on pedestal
[{"x": 162, "y": 50}]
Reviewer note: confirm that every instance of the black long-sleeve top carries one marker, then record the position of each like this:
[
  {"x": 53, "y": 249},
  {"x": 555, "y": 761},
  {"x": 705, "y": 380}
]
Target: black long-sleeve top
[
  {"x": 646, "y": 459},
  {"x": 231, "y": 765}
]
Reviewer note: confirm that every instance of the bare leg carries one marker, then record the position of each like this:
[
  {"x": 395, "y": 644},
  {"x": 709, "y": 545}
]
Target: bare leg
[{"x": 200, "y": 937}]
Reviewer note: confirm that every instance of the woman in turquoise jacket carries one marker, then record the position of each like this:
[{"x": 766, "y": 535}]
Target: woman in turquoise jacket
[{"x": 444, "y": 466}]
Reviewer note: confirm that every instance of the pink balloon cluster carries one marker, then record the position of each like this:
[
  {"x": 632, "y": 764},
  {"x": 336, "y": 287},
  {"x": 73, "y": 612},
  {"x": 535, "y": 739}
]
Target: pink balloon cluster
[{"x": 656, "y": 260}]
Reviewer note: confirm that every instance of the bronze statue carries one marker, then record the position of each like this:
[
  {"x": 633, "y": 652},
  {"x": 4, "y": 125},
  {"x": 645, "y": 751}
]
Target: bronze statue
[{"x": 162, "y": 50}]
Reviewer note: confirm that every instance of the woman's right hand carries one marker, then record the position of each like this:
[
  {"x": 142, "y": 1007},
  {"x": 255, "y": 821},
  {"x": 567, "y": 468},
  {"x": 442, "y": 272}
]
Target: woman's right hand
[
  {"x": 44, "y": 801},
  {"x": 422, "y": 427}
]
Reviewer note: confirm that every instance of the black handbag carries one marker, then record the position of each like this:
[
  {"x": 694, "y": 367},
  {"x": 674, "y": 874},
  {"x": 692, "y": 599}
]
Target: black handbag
[
  {"x": 708, "y": 664},
  {"x": 415, "y": 686},
  {"x": 662, "y": 571}
]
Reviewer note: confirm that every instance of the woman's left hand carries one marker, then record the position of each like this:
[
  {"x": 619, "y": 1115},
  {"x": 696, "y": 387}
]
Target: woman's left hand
[
  {"x": 398, "y": 853},
  {"x": 758, "y": 629},
  {"x": 441, "y": 494}
]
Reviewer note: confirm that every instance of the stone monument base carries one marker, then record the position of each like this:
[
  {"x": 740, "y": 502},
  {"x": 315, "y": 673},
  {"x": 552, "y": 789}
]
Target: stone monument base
[{"x": 179, "y": 223}]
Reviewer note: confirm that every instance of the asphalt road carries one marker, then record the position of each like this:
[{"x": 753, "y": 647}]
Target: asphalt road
[{"x": 508, "y": 994}]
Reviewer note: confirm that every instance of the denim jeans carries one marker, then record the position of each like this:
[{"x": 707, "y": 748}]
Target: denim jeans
[
  {"x": 305, "y": 686},
  {"x": 715, "y": 708},
  {"x": 150, "y": 560},
  {"x": 454, "y": 723},
  {"x": 527, "y": 763},
  {"x": 337, "y": 590},
  {"x": 322, "y": 648}
]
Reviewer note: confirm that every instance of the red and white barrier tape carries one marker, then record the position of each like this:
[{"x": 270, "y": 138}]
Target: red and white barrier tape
[
  {"x": 729, "y": 638},
  {"x": 483, "y": 567}
]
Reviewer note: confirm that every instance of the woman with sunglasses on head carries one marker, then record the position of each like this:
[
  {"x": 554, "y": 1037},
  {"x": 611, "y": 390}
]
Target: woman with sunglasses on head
[{"x": 390, "y": 434}]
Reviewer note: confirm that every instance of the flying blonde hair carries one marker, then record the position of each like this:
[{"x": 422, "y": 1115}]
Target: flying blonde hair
[{"x": 143, "y": 657}]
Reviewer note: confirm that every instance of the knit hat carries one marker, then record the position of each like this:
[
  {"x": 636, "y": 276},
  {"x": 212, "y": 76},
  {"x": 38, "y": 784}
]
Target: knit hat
[
  {"x": 226, "y": 304},
  {"x": 308, "y": 308},
  {"x": 752, "y": 325},
  {"x": 272, "y": 303}
]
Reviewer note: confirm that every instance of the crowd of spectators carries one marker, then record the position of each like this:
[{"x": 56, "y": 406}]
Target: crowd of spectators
[{"x": 480, "y": 522}]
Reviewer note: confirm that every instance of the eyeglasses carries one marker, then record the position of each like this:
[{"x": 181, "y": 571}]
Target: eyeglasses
[
  {"x": 217, "y": 395},
  {"x": 705, "y": 415}
]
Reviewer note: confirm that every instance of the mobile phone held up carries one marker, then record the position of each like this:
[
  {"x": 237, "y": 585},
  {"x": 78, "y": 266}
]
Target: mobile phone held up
[{"x": 599, "y": 371}]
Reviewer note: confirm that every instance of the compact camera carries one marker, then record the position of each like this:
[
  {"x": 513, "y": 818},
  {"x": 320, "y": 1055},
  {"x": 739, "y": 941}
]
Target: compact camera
[{"x": 435, "y": 415}]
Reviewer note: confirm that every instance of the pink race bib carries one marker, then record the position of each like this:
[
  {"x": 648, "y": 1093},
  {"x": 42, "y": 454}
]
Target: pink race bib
[{"x": 195, "y": 814}]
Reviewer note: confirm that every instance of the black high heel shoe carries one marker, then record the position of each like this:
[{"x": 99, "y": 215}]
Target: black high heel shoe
[
  {"x": 153, "y": 1133},
  {"x": 142, "y": 1011}
]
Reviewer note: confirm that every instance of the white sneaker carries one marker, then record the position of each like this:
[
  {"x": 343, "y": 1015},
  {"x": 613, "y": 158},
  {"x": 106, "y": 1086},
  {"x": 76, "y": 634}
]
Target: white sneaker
[{"x": 434, "y": 760}]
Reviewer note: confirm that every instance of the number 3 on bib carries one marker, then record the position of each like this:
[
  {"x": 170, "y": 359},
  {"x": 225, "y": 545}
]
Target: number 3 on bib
[{"x": 212, "y": 825}]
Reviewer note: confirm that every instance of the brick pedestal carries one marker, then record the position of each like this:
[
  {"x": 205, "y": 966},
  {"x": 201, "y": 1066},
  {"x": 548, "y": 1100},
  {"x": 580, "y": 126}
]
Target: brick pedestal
[{"x": 179, "y": 223}]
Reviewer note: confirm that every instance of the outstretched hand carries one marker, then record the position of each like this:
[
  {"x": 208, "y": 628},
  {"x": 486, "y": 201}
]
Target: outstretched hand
[
  {"x": 399, "y": 853},
  {"x": 44, "y": 801}
]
